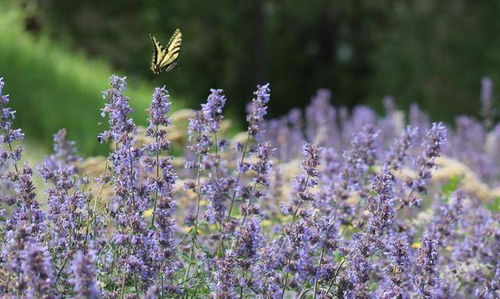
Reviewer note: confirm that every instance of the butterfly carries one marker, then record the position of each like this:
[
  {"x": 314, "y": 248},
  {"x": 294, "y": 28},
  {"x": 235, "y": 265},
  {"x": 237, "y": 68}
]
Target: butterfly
[{"x": 165, "y": 59}]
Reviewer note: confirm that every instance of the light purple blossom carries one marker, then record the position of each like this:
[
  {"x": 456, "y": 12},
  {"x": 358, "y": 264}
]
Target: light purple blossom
[
  {"x": 303, "y": 183},
  {"x": 257, "y": 109},
  {"x": 37, "y": 272},
  {"x": 428, "y": 276},
  {"x": 432, "y": 145},
  {"x": 487, "y": 107},
  {"x": 84, "y": 275},
  {"x": 352, "y": 227}
]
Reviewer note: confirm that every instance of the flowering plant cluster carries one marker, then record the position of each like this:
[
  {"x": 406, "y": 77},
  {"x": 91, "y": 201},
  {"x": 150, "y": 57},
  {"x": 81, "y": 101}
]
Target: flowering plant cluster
[{"x": 321, "y": 203}]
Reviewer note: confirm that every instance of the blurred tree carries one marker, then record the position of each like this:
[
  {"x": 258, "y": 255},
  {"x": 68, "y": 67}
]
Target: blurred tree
[
  {"x": 232, "y": 44},
  {"x": 433, "y": 52}
]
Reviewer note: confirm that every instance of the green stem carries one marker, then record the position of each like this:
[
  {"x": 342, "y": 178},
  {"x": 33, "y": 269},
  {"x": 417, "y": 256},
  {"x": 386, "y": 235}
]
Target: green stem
[
  {"x": 233, "y": 197},
  {"x": 238, "y": 178},
  {"x": 335, "y": 276},
  {"x": 284, "y": 285},
  {"x": 241, "y": 287},
  {"x": 17, "y": 172},
  {"x": 248, "y": 205},
  {"x": 183, "y": 238},
  {"x": 62, "y": 268},
  {"x": 191, "y": 256},
  {"x": 157, "y": 177},
  {"x": 195, "y": 234},
  {"x": 216, "y": 172},
  {"x": 289, "y": 259},
  {"x": 319, "y": 266},
  {"x": 122, "y": 292},
  {"x": 291, "y": 225},
  {"x": 132, "y": 178},
  {"x": 92, "y": 211},
  {"x": 11, "y": 150},
  {"x": 244, "y": 217}
]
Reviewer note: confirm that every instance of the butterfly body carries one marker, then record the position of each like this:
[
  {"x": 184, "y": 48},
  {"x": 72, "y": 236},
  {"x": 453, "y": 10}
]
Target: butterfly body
[{"x": 165, "y": 58}]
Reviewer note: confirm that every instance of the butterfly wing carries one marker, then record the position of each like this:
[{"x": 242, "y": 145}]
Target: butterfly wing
[
  {"x": 168, "y": 60},
  {"x": 158, "y": 54}
]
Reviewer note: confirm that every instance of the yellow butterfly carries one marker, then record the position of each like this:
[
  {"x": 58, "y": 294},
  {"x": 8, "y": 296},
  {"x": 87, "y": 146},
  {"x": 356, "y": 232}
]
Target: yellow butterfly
[{"x": 165, "y": 59}]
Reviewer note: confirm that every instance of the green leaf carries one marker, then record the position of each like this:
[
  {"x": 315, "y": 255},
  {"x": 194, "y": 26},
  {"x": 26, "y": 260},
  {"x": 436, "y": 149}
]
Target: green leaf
[
  {"x": 494, "y": 206},
  {"x": 372, "y": 169},
  {"x": 451, "y": 185}
]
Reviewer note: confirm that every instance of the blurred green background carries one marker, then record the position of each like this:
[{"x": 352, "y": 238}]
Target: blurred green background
[{"x": 56, "y": 55}]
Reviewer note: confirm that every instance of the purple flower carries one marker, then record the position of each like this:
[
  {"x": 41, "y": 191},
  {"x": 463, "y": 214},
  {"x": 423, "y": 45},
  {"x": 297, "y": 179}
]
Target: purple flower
[
  {"x": 66, "y": 203},
  {"x": 321, "y": 119},
  {"x": 487, "y": 107},
  {"x": 448, "y": 217},
  {"x": 263, "y": 164},
  {"x": 160, "y": 106},
  {"x": 7, "y": 116},
  {"x": 260, "y": 177},
  {"x": 165, "y": 206},
  {"x": 199, "y": 134},
  {"x": 37, "y": 272},
  {"x": 125, "y": 157},
  {"x": 131, "y": 195},
  {"x": 398, "y": 153},
  {"x": 468, "y": 145},
  {"x": 18, "y": 238},
  {"x": 361, "y": 156},
  {"x": 362, "y": 117},
  {"x": 84, "y": 275},
  {"x": 212, "y": 110},
  {"x": 217, "y": 192},
  {"x": 381, "y": 205},
  {"x": 398, "y": 252},
  {"x": 158, "y": 120},
  {"x": 418, "y": 119},
  {"x": 353, "y": 230},
  {"x": 28, "y": 208},
  {"x": 249, "y": 241},
  {"x": 303, "y": 183},
  {"x": 257, "y": 109},
  {"x": 224, "y": 281},
  {"x": 361, "y": 247},
  {"x": 65, "y": 149},
  {"x": 118, "y": 110},
  {"x": 9, "y": 134},
  {"x": 432, "y": 145},
  {"x": 427, "y": 261},
  {"x": 331, "y": 167},
  {"x": 203, "y": 126},
  {"x": 161, "y": 186}
]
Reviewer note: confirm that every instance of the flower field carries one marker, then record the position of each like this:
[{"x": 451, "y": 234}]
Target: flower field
[{"x": 326, "y": 202}]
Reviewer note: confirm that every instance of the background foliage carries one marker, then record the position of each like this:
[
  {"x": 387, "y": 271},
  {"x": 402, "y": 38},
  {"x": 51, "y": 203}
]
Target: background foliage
[
  {"x": 53, "y": 87},
  {"x": 432, "y": 52}
]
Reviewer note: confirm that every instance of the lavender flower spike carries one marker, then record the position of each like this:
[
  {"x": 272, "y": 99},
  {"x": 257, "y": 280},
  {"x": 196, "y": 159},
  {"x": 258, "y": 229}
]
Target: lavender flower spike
[
  {"x": 428, "y": 277},
  {"x": 381, "y": 206},
  {"x": 84, "y": 276},
  {"x": 8, "y": 133},
  {"x": 212, "y": 110},
  {"x": 118, "y": 110},
  {"x": 487, "y": 107},
  {"x": 309, "y": 178},
  {"x": 204, "y": 123},
  {"x": 257, "y": 109},
  {"x": 37, "y": 272},
  {"x": 160, "y": 106},
  {"x": 432, "y": 145}
]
